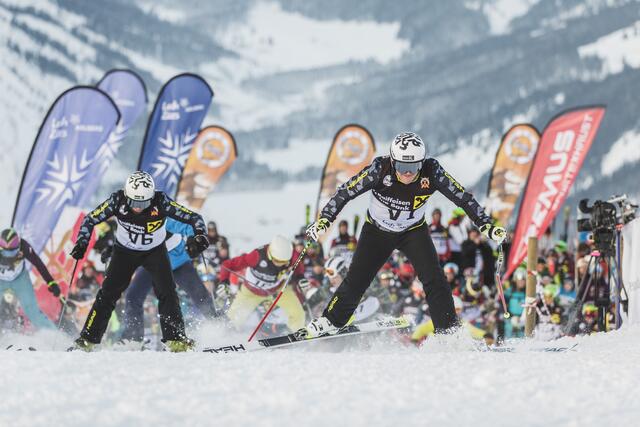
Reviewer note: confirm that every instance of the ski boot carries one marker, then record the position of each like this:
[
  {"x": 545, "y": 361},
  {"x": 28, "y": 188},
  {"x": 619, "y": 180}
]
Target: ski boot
[
  {"x": 317, "y": 328},
  {"x": 83, "y": 345},
  {"x": 180, "y": 346}
]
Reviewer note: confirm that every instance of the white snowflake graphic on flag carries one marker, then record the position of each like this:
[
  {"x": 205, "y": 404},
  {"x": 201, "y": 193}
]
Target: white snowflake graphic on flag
[
  {"x": 107, "y": 151},
  {"x": 63, "y": 179},
  {"x": 174, "y": 152}
]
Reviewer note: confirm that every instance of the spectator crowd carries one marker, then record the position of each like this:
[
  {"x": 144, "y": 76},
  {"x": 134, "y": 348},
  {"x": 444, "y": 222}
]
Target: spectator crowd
[{"x": 467, "y": 258}]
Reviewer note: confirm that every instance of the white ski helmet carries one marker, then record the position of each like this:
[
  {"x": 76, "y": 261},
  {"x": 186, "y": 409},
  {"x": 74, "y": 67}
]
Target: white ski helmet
[
  {"x": 407, "y": 152},
  {"x": 280, "y": 249},
  {"x": 336, "y": 266},
  {"x": 139, "y": 190}
]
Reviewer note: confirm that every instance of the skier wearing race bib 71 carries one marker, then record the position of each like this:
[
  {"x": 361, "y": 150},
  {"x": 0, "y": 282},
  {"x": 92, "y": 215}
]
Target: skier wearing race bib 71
[
  {"x": 140, "y": 212},
  {"x": 400, "y": 186}
]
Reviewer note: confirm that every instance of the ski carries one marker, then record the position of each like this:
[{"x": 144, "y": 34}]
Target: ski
[
  {"x": 295, "y": 338},
  {"x": 542, "y": 349},
  {"x": 11, "y": 347}
]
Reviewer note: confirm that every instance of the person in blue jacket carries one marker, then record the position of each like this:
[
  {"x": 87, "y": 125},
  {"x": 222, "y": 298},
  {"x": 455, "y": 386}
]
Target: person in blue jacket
[
  {"x": 185, "y": 275},
  {"x": 515, "y": 296}
]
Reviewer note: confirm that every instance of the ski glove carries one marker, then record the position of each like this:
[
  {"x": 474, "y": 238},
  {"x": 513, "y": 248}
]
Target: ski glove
[
  {"x": 222, "y": 289},
  {"x": 197, "y": 244},
  {"x": 53, "y": 288},
  {"x": 317, "y": 228},
  {"x": 494, "y": 232},
  {"x": 105, "y": 255},
  {"x": 78, "y": 250}
]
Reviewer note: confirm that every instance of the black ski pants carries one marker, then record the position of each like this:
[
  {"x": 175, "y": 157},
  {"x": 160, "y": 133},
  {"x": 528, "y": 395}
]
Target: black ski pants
[
  {"x": 185, "y": 276},
  {"x": 373, "y": 249},
  {"x": 123, "y": 263}
]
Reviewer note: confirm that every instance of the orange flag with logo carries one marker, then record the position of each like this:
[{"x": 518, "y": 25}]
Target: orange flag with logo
[
  {"x": 212, "y": 154},
  {"x": 511, "y": 170},
  {"x": 352, "y": 149}
]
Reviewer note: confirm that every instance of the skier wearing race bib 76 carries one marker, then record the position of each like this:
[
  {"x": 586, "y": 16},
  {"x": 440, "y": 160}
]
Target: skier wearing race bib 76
[
  {"x": 140, "y": 213},
  {"x": 400, "y": 186}
]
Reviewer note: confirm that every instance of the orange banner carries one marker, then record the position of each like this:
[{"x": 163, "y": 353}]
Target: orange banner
[
  {"x": 352, "y": 149},
  {"x": 511, "y": 170},
  {"x": 213, "y": 153}
]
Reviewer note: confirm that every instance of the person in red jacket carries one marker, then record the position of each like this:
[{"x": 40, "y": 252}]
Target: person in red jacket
[{"x": 266, "y": 270}]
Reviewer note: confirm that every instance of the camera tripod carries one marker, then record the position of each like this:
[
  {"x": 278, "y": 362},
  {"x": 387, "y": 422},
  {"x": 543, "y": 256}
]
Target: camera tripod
[{"x": 604, "y": 268}]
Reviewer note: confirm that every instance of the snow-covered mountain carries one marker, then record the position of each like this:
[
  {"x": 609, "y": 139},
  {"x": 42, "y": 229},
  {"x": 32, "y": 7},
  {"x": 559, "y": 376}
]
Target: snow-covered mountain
[{"x": 287, "y": 74}]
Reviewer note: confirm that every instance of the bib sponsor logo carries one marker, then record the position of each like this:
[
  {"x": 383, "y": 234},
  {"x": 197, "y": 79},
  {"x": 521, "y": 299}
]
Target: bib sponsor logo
[
  {"x": 419, "y": 201},
  {"x": 153, "y": 226}
]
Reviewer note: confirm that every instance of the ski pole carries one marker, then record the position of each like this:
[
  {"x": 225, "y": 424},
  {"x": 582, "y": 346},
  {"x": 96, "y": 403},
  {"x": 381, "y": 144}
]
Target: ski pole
[
  {"x": 238, "y": 275},
  {"x": 63, "y": 300},
  {"x": 499, "y": 262},
  {"x": 307, "y": 243}
]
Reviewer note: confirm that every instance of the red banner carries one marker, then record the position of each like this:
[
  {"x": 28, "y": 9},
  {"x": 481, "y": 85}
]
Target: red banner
[
  {"x": 563, "y": 146},
  {"x": 55, "y": 256}
]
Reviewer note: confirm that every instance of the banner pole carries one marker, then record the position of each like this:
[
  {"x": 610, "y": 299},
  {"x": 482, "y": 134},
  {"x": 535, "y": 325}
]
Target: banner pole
[{"x": 532, "y": 260}]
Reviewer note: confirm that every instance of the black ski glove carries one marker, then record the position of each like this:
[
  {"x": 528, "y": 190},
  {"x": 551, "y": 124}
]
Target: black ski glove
[
  {"x": 106, "y": 254},
  {"x": 53, "y": 288},
  {"x": 78, "y": 250},
  {"x": 196, "y": 244}
]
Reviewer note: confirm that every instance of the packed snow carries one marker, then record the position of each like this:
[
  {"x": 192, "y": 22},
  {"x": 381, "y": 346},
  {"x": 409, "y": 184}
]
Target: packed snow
[{"x": 375, "y": 381}]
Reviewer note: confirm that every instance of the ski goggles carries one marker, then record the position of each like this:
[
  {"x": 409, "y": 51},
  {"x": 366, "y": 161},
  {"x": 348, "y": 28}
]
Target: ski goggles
[
  {"x": 330, "y": 272},
  {"x": 139, "y": 204},
  {"x": 276, "y": 261},
  {"x": 407, "y": 167},
  {"x": 9, "y": 253}
]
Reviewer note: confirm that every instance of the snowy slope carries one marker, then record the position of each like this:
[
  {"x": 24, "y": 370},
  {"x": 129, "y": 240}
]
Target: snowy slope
[{"x": 366, "y": 383}]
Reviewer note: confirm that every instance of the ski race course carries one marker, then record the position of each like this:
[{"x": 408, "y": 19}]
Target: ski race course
[{"x": 360, "y": 381}]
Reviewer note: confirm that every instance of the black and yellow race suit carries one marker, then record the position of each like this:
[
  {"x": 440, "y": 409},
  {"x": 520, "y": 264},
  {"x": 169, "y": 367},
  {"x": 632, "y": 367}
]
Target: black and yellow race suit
[
  {"x": 396, "y": 220},
  {"x": 139, "y": 241}
]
